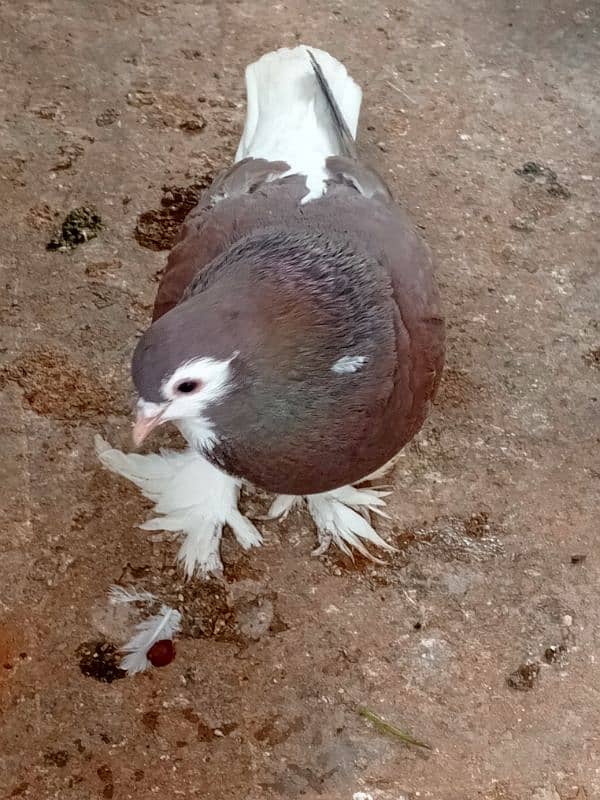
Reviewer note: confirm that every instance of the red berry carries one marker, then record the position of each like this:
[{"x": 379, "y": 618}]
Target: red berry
[{"x": 161, "y": 653}]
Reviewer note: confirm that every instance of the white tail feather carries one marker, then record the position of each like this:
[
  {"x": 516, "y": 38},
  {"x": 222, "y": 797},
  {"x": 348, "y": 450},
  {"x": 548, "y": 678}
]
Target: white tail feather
[{"x": 288, "y": 118}]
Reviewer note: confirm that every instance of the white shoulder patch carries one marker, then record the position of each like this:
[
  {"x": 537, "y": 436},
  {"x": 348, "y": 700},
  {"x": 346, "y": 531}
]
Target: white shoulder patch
[{"x": 347, "y": 364}]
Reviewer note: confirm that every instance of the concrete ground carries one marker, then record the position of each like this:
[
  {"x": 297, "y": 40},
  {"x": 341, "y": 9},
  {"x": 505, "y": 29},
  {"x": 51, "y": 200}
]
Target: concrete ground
[{"x": 481, "y": 636}]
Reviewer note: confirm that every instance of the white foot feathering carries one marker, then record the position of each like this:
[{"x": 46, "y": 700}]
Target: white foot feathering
[
  {"x": 341, "y": 517},
  {"x": 191, "y": 497}
]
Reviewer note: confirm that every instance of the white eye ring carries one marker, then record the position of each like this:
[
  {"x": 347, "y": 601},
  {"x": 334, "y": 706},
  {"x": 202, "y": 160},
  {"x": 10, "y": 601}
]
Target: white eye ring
[{"x": 187, "y": 387}]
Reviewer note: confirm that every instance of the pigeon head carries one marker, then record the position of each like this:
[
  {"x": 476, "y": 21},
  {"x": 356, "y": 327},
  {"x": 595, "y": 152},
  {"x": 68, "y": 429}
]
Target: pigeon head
[
  {"x": 260, "y": 339},
  {"x": 183, "y": 364}
]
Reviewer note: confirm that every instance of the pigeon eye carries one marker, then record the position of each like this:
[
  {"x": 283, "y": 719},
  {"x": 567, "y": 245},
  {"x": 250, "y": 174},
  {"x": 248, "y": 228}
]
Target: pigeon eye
[{"x": 187, "y": 387}]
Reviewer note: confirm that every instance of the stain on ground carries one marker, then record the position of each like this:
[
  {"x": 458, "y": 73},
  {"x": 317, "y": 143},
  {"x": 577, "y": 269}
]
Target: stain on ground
[
  {"x": 166, "y": 110},
  {"x": 100, "y": 660},
  {"x": 57, "y": 758},
  {"x": 542, "y": 175},
  {"x": 107, "y": 117},
  {"x": 105, "y": 774},
  {"x": 592, "y": 357},
  {"x": 79, "y": 226},
  {"x": 525, "y": 677},
  {"x": 157, "y": 229}
]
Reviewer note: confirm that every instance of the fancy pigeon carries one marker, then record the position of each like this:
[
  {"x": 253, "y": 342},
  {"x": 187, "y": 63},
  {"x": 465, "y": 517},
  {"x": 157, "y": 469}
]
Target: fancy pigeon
[{"x": 297, "y": 340}]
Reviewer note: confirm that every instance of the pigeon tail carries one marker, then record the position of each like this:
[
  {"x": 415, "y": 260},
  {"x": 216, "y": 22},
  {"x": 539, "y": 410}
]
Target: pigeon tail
[
  {"x": 191, "y": 497},
  {"x": 347, "y": 145},
  {"x": 303, "y": 107}
]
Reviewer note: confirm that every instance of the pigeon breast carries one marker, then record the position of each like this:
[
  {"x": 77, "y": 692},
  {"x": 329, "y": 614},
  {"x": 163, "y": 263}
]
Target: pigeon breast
[{"x": 371, "y": 401}]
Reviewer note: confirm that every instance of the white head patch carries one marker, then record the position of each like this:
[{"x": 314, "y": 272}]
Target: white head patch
[
  {"x": 205, "y": 382},
  {"x": 212, "y": 375}
]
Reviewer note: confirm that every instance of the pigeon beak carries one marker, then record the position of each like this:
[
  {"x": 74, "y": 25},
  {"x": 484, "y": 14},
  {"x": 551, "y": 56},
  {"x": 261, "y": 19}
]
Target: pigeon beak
[{"x": 145, "y": 422}]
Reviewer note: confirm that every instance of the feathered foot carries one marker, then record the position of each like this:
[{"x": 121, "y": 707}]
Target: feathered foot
[
  {"x": 191, "y": 496},
  {"x": 341, "y": 517}
]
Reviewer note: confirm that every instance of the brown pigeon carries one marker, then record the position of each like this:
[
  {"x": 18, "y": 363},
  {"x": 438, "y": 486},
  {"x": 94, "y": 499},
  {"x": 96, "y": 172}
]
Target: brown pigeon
[{"x": 297, "y": 340}]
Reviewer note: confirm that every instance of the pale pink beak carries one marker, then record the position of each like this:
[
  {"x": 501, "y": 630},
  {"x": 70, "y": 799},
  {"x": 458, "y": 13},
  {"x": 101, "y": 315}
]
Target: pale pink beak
[{"x": 144, "y": 424}]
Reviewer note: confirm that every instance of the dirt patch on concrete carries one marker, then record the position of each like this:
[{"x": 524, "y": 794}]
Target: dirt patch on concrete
[
  {"x": 157, "y": 229},
  {"x": 79, "y": 226},
  {"x": 456, "y": 390},
  {"x": 54, "y": 386}
]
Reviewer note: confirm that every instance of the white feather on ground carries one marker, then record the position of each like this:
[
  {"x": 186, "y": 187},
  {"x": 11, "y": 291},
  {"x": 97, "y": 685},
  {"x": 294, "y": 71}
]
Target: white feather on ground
[
  {"x": 119, "y": 595},
  {"x": 163, "y": 625}
]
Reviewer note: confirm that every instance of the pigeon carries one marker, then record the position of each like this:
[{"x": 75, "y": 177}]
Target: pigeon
[{"x": 297, "y": 340}]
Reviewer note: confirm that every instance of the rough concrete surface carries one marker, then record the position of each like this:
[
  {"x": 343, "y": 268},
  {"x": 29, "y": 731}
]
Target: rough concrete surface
[{"x": 481, "y": 635}]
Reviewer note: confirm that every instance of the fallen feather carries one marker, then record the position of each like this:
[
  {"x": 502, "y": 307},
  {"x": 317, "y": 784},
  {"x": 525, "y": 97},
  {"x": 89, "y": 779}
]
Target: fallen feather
[
  {"x": 119, "y": 595},
  {"x": 163, "y": 625}
]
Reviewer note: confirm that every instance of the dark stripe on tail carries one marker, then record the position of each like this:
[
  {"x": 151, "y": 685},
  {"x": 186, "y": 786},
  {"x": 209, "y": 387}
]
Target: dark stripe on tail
[{"x": 346, "y": 141}]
